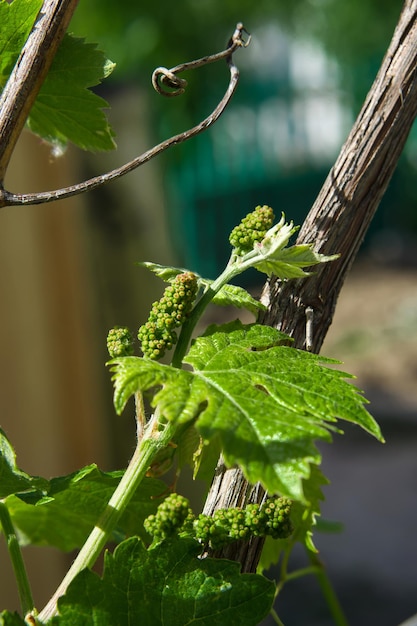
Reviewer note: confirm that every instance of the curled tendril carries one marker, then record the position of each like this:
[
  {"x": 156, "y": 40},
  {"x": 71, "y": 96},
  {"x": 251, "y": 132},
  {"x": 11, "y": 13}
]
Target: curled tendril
[
  {"x": 167, "y": 83},
  {"x": 162, "y": 78}
]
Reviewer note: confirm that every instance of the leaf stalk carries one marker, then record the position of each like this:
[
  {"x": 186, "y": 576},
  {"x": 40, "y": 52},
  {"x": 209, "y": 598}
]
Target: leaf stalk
[
  {"x": 23, "y": 585},
  {"x": 328, "y": 591},
  {"x": 188, "y": 327}
]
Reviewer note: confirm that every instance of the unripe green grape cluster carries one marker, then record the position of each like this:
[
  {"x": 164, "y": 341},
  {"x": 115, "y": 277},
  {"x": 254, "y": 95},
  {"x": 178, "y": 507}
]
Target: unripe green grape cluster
[
  {"x": 119, "y": 342},
  {"x": 158, "y": 334},
  {"x": 224, "y": 527},
  {"x": 252, "y": 229},
  {"x": 174, "y": 516},
  {"x": 272, "y": 518}
]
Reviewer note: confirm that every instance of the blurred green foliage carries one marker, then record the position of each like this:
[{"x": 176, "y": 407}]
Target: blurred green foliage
[
  {"x": 355, "y": 34},
  {"x": 141, "y": 36}
]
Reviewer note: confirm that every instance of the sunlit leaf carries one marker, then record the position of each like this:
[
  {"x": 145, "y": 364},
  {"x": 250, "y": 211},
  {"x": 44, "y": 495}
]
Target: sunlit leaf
[
  {"x": 12, "y": 479},
  {"x": 67, "y": 514},
  {"x": 167, "y": 585},
  {"x": 66, "y": 109},
  {"x": 266, "y": 403}
]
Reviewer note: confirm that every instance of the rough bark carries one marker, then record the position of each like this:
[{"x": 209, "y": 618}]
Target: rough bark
[{"x": 337, "y": 223}]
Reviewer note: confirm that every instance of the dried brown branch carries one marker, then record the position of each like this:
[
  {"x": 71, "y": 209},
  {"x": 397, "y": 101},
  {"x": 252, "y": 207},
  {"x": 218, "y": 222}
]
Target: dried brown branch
[
  {"x": 337, "y": 223},
  {"x": 162, "y": 78}
]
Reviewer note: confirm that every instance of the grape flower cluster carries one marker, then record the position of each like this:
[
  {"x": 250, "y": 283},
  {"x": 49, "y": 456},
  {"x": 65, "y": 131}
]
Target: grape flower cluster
[
  {"x": 174, "y": 516},
  {"x": 252, "y": 229},
  {"x": 119, "y": 342},
  {"x": 158, "y": 334},
  {"x": 272, "y": 518}
]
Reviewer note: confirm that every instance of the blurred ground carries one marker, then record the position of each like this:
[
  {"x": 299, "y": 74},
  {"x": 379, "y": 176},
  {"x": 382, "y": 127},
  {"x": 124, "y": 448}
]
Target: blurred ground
[{"x": 374, "y": 332}]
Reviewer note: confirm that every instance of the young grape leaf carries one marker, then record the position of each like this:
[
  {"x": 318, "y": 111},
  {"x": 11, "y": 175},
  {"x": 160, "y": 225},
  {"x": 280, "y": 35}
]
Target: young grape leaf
[
  {"x": 66, "y": 515},
  {"x": 16, "y": 21},
  {"x": 167, "y": 273},
  {"x": 288, "y": 263},
  {"x": 266, "y": 403},
  {"x": 167, "y": 585},
  {"x": 13, "y": 480},
  {"x": 271, "y": 255}
]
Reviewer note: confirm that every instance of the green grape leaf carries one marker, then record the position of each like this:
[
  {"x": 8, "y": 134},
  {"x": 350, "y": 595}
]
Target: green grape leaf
[
  {"x": 66, "y": 515},
  {"x": 11, "y": 619},
  {"x": 193, "y": 451},
  {"x": 13, "y": 480},
  {"x": 167, "y": 585},
  {"x": 304, "y": 518},
  {"x": 271, "y": 553},
  {"x": 266, "y": 403},
  {"x": 16, "y": 21},
  {"x": 187, "y": 444},
  {"x": 205, "y": 459},
  {"x": 232, "y": 295},
  {"x": 65, "y": 109}
]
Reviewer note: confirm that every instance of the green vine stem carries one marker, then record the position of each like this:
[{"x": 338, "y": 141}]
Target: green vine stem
[
  {"x": 189, "y": 325},
  {"x": 327, "y": 590},
  {"x": 152, "y": 442},
  {"x": 274, "y": 241},
  {"x": 275, "y": 617},
  {"x": 319, "y": 571},
  {"x": 16, "y": 558},
  {"x": 231, "y": 270}
]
